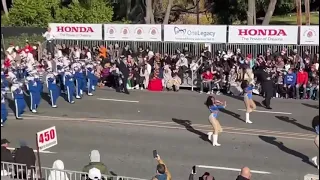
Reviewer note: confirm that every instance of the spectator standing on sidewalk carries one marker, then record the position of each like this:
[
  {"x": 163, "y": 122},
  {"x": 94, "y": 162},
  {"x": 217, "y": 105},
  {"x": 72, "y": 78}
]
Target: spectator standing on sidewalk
[
  {"x": 245, "y": 174},
  {"x": 25, "y": 155},
  {"x": 49, "y": 38},
  {"x": 162, "y": 170},
  {"x": 6, "y": 155},
  {"x": 55, "y": 174},
  {"x": 96, "y": 163}
]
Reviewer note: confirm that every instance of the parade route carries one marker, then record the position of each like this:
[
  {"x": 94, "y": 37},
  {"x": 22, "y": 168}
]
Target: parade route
[{"x": 127, "y": 128}]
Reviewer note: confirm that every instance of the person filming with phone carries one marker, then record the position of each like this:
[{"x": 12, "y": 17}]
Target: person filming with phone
[{"x": 162, "y": 170}]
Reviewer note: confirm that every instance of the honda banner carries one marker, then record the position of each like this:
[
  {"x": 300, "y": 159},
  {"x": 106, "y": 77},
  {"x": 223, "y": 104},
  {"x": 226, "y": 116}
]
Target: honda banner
[
  {"x": 263, "y": 34},
  {"x": 76, "y": 31},
  {"x": 195, "y": 33},
  {"x": 132, "y": 32},
  {"x": 309, "y": 35}
]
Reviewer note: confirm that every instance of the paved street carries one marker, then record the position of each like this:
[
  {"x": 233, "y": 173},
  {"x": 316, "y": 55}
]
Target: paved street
[{"x": 127, "y": 128}]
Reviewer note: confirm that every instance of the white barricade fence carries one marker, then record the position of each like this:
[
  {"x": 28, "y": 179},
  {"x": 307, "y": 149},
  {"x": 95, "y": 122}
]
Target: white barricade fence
[{"x": 22, "y": 172}]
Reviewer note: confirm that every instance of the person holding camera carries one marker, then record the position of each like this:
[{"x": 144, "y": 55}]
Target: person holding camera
[{"x": 162, "y": 170}]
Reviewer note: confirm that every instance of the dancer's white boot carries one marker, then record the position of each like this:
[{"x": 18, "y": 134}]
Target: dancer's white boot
[
  {"x": 248, "y": 118},
  {"x": 315, "y": 161},
  {"x": 215, "y": 140},
  {"x": 210, "y": 135}
]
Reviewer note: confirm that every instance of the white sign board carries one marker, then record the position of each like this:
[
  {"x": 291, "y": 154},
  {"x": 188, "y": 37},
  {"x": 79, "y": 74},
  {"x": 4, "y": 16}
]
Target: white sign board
[
  {"x": 309, "y": 35},
  {"x": 76, "y": 31},
  {"x": 195, "y": 33},
  {"x": 132, "y": 32},
  {"x": 47, "y": 138},
  {"x": 263, "y": 34}
]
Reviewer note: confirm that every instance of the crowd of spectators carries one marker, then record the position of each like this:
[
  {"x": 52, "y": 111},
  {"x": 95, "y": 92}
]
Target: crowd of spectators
[
  {"x": 295, "y": 76},
  {"x": 94, "y": 170}
]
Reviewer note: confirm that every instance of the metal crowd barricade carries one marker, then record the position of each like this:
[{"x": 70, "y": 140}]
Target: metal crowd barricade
[
  {"x": 194, "y": 48},
  {"x": 22, "y": 172}
]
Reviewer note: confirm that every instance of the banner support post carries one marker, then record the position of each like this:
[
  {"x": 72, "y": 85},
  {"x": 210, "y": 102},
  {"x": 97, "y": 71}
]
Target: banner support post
[{"x": 38, "y": 157}]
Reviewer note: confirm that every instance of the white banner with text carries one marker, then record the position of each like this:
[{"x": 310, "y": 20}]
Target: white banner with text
[
  {"x": 195, "y": 33},
  {"x": 76, "y": 31},
  {"x": 309, "y": 35},
  {"x": 132, "y": 32},
  {"x": 263, "y": 34}
]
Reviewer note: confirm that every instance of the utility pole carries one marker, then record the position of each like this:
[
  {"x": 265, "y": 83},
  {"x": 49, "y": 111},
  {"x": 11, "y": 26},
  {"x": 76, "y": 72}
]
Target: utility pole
[
  {"x": 197, "y": 11},
  {"x": 299, "y": 13},
  {"x": 307, "y": 11}
]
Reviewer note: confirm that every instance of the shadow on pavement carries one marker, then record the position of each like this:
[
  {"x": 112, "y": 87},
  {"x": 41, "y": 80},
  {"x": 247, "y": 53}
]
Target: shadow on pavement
[
  {"x": 315, "y": 121},
  {"x": 279, "y": 144},
  {"x": 27, "y": 100},
  {"x": 240, "y": 98},
  {"x": 11, "y": 105},
  {"x": 45, "y": 96},
  {"x": 187, "y": 124},
  {"x": 294, "y": 122},
  {"x": 311, "y": 105}
]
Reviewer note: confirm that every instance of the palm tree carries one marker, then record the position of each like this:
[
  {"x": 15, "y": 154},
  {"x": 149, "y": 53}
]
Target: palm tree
[{"x": 5, "y": 8}]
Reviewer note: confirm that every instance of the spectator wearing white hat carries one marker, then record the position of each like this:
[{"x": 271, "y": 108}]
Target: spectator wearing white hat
[{"x": 94, "y": 174}]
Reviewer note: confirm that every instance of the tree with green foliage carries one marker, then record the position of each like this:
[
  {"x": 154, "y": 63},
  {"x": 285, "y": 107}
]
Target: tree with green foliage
[{"x": 38, "y": 13}]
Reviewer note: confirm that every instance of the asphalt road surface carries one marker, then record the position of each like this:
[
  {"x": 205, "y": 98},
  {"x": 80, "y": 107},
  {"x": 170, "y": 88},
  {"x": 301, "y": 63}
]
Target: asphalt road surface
[{"x": 127, "y": 128}]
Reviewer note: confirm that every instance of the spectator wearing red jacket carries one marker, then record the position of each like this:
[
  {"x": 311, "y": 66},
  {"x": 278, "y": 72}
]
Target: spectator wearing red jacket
[
  {"x": 28, "y": 48},
  {"x": 206, "y": 78},
  {"x": 302, "y": 80}
]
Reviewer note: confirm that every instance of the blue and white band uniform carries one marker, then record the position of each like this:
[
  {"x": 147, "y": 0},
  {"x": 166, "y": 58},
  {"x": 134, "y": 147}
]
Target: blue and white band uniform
[
  {"x": 35, "y": 94},
  {"x": 20, "y": 104},
  {"x": 4, "y": 112},
  {"x": 91, "y": 79},
  {"x": 80, "y": 82},
  {"x": 54, "y": 91},
  {"x": 68, "y": 82}
]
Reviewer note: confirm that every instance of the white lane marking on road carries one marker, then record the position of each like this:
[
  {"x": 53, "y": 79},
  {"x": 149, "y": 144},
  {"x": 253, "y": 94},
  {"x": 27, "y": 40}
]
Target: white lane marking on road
[
  {"x": 259, "y": 131},
  {"x": 118, "y": 100},
  {"x": 45, "y": 152},
  {"x": 270, "y": 112},
  {"x": 142, "y": 124},
  {"x": 231, "y": 169}
]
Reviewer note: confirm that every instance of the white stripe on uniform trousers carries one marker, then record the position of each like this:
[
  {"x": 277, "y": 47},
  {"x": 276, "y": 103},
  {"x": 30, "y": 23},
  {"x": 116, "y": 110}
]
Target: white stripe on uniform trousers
[
  {"x": 17, "y": 110},
  {"x": 69, "y": 99},
  {"x": 51, "y": 98},
  {"x": 89, "y": 90},
  {"x": 31, "y": 101},
  {"x": 77, "y": 88}
]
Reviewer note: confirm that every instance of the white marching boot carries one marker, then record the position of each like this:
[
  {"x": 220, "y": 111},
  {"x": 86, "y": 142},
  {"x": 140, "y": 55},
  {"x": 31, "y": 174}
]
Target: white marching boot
[
  {"x": 315, "y": 161},
  {"x": 248, "y": 119},
  {"x": 215, "y": 140},
  {"x": 210, "y": 135}
]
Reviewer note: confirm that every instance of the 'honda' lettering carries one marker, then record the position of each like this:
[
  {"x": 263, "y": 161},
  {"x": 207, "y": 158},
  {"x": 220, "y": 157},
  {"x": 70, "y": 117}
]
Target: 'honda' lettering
[
  {"x": 74, "y": 29},
  {"x": 262, "y": 32}
]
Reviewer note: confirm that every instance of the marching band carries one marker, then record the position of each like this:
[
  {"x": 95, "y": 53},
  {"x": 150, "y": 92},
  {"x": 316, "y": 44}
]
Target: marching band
[{"x": 66, "y": 76}]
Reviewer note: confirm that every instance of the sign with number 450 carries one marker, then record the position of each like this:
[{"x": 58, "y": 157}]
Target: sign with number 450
[{"x": 47, "y": 138}]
